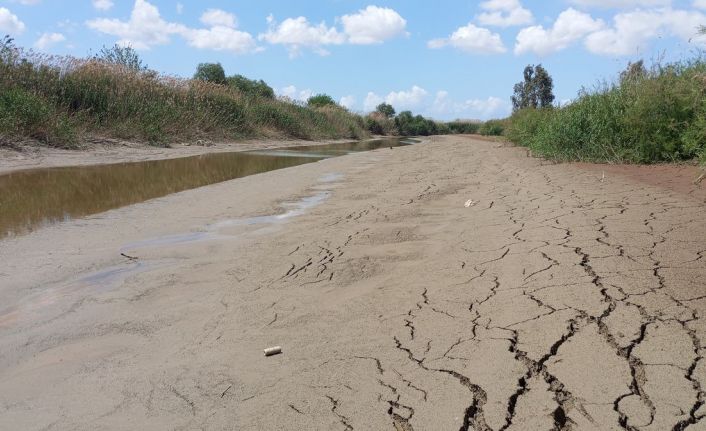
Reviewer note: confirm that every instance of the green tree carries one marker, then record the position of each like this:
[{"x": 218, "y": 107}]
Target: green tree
[
  {"x": 320, "y": 100},
  {"x": 633, "y": 72},
  {"x": 124, "y": 56},
  {"x": 535, "y": 91},
  {"x": 251, "y": 87},
  {"x": 210, "y": 72},
  {"x": 386, "y": 109}
]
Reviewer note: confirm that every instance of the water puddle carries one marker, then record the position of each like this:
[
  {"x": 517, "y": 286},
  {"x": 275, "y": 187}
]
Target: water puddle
[{"x": 39, "y": 197}]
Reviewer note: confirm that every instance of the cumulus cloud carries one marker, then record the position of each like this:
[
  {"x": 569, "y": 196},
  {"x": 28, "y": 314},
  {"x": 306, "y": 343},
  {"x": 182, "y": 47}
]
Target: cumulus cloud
[
  {"x": 144, "y": 29},
  {"x": 221, "y": 38},
  {"x": 471, "y": 39},
  {"x": 348, "y": 102},
  {"x": 631, "y": 31},
  {"x": 147, "y": 28},
  {"x": 293, "y": 93},
  {"x": 491, "y": 107},
  {"x": 608, "y": 4},
  {"x": 218, "y": 17},
  {"x": 369, "y": 26},
  {"x": 373, "y": 25},
  {"x": 401, "y": 100},
  {"x": 47, "y": 40},
  {"x": 504, "y": 13},
  {"x": 298, "y": 33},
  {"x": 9, "y": 23},
  {"x": 570, "y": 27},
  {"x": 102, "y": 4}
]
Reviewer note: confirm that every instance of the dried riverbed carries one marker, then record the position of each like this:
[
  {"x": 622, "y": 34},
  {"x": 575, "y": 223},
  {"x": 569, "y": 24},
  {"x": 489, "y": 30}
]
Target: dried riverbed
[{"x": 559, "y": 299}]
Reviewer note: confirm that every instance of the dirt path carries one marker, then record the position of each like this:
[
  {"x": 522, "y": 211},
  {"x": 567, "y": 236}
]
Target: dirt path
[{"x": 556, "y": 300}]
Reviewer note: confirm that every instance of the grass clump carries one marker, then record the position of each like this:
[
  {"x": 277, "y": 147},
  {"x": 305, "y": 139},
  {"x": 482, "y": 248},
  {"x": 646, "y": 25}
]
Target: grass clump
[
  {"x": 646, "y": 116},
  {"x": 59, "y": 100}
]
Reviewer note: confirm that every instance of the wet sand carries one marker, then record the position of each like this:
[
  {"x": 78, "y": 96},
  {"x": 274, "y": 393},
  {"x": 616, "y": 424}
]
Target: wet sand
[{"x": 558, "y": 299}]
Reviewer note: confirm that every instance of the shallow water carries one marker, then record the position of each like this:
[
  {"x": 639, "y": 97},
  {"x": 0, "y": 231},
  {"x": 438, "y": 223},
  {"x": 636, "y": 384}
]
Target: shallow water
[{"x": 39, "y": 197}]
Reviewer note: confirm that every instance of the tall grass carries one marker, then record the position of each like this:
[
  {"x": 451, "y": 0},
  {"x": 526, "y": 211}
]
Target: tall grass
[
  {"x": 658, "y": 115},
  {"x": 60, "y": 100}
]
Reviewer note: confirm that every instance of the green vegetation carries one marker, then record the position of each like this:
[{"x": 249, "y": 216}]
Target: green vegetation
[
  {"x": 386, "y": 110},
  {"x": 535, "y": 91},
  {"x": 59, "y": 101},
  {"x": 321, "y": 100},
  {"x": 646, "y": 116},
  {"x": 211, "y": 72}
]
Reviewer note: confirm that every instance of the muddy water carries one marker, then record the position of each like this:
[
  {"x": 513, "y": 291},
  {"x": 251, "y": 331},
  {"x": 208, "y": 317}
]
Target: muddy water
[{"x": 38, "y": 197}]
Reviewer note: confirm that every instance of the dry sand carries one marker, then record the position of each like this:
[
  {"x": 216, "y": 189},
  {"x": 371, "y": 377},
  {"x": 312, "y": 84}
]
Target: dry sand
[{"x": 558, "y": 300}]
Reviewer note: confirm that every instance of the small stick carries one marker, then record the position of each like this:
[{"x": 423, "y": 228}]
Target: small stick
[
  {"x": 129, "y": 257},
  {"x": 700, "y": 178},
  {"x": 273, "y": 351}
]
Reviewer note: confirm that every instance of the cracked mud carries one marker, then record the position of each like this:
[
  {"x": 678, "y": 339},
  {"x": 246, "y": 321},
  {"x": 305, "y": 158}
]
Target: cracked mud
[{"x": 559, "y": 301}]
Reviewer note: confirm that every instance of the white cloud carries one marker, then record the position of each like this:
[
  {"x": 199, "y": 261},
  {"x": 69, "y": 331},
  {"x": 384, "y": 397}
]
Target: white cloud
[
  {"x": 102, "y": 4},
  {"x": 46, "y": 40},
  {"x": 372, "y": 100},
  {"x": 298, "y": 33},
  {"x": 146, "y": 28},
  {"x": 373, "y": 25},
  {"x": 471, "y": 39},
  {"x": 401, "y": 100},
  {"x": 569, "y": 27},
  {"x": 504, "y": 13},
  {"x": 700, "y": 4},
  {"x": 30, "y": 2},
  {"x": 221, "y": 38},
  {"x": 492, "y": 107},
  {"x": 218, "y": 17},
  {"x": 292, "y": 92},
  {"x": 617, "y": 4},
  {"x": 631, "y": 31},
  {"x": 179, "y": 8},
  {"x": 9, "y": 23},
  {"x": 348, "y": 102}
]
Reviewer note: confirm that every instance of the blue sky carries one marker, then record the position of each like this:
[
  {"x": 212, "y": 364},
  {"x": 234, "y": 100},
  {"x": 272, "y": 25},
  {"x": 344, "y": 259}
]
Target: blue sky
[{"x": 446, "y": 59}]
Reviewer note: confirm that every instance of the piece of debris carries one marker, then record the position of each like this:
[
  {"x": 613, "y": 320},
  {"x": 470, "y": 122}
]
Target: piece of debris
[
  {"x": 469, "y": 203},
  {"x": 128, "y": 257},
  {"x": 603, "y": 177},
  {"x": 699, "y": 179},
  {"x": 270, "y": 351}
]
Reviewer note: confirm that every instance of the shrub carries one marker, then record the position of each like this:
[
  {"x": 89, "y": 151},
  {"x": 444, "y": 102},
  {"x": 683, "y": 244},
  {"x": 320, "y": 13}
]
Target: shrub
[
  {"x": 123, "y": 56},
  {"x": 251, "y": 87},
  {"x": 320, "y": 100},
  {"x": 210, "y": 72},
  {"x": 492, "y": 128}
]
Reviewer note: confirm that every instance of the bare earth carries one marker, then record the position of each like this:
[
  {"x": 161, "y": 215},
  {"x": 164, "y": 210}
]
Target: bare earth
[{"x": 558, "y": 299}]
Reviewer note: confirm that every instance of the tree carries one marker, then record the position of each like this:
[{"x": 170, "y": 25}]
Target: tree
[
  {"x": 535, "y": 91},
  {"x": 386, "y": 109},
  {"x": 210, "y": 72},
  {"x": 251, "y": 87},
  {"x": 124, "y": 56},
  {"x": 320, "y": 100}
]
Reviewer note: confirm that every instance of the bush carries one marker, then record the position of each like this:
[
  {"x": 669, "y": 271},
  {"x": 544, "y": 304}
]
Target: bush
[
  {"x": 645, "y": 117},
  {"x": 492, "y": 128},
  {"x": 210, "y": 72},
  {"x": 251, "y": 87},
  {"x": 320, "y": 100},
  {"x": 463, "y": 127}
]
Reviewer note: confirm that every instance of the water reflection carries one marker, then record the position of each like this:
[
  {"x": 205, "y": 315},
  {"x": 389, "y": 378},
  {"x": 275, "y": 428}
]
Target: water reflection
[{"x": 33, "y": 198}]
